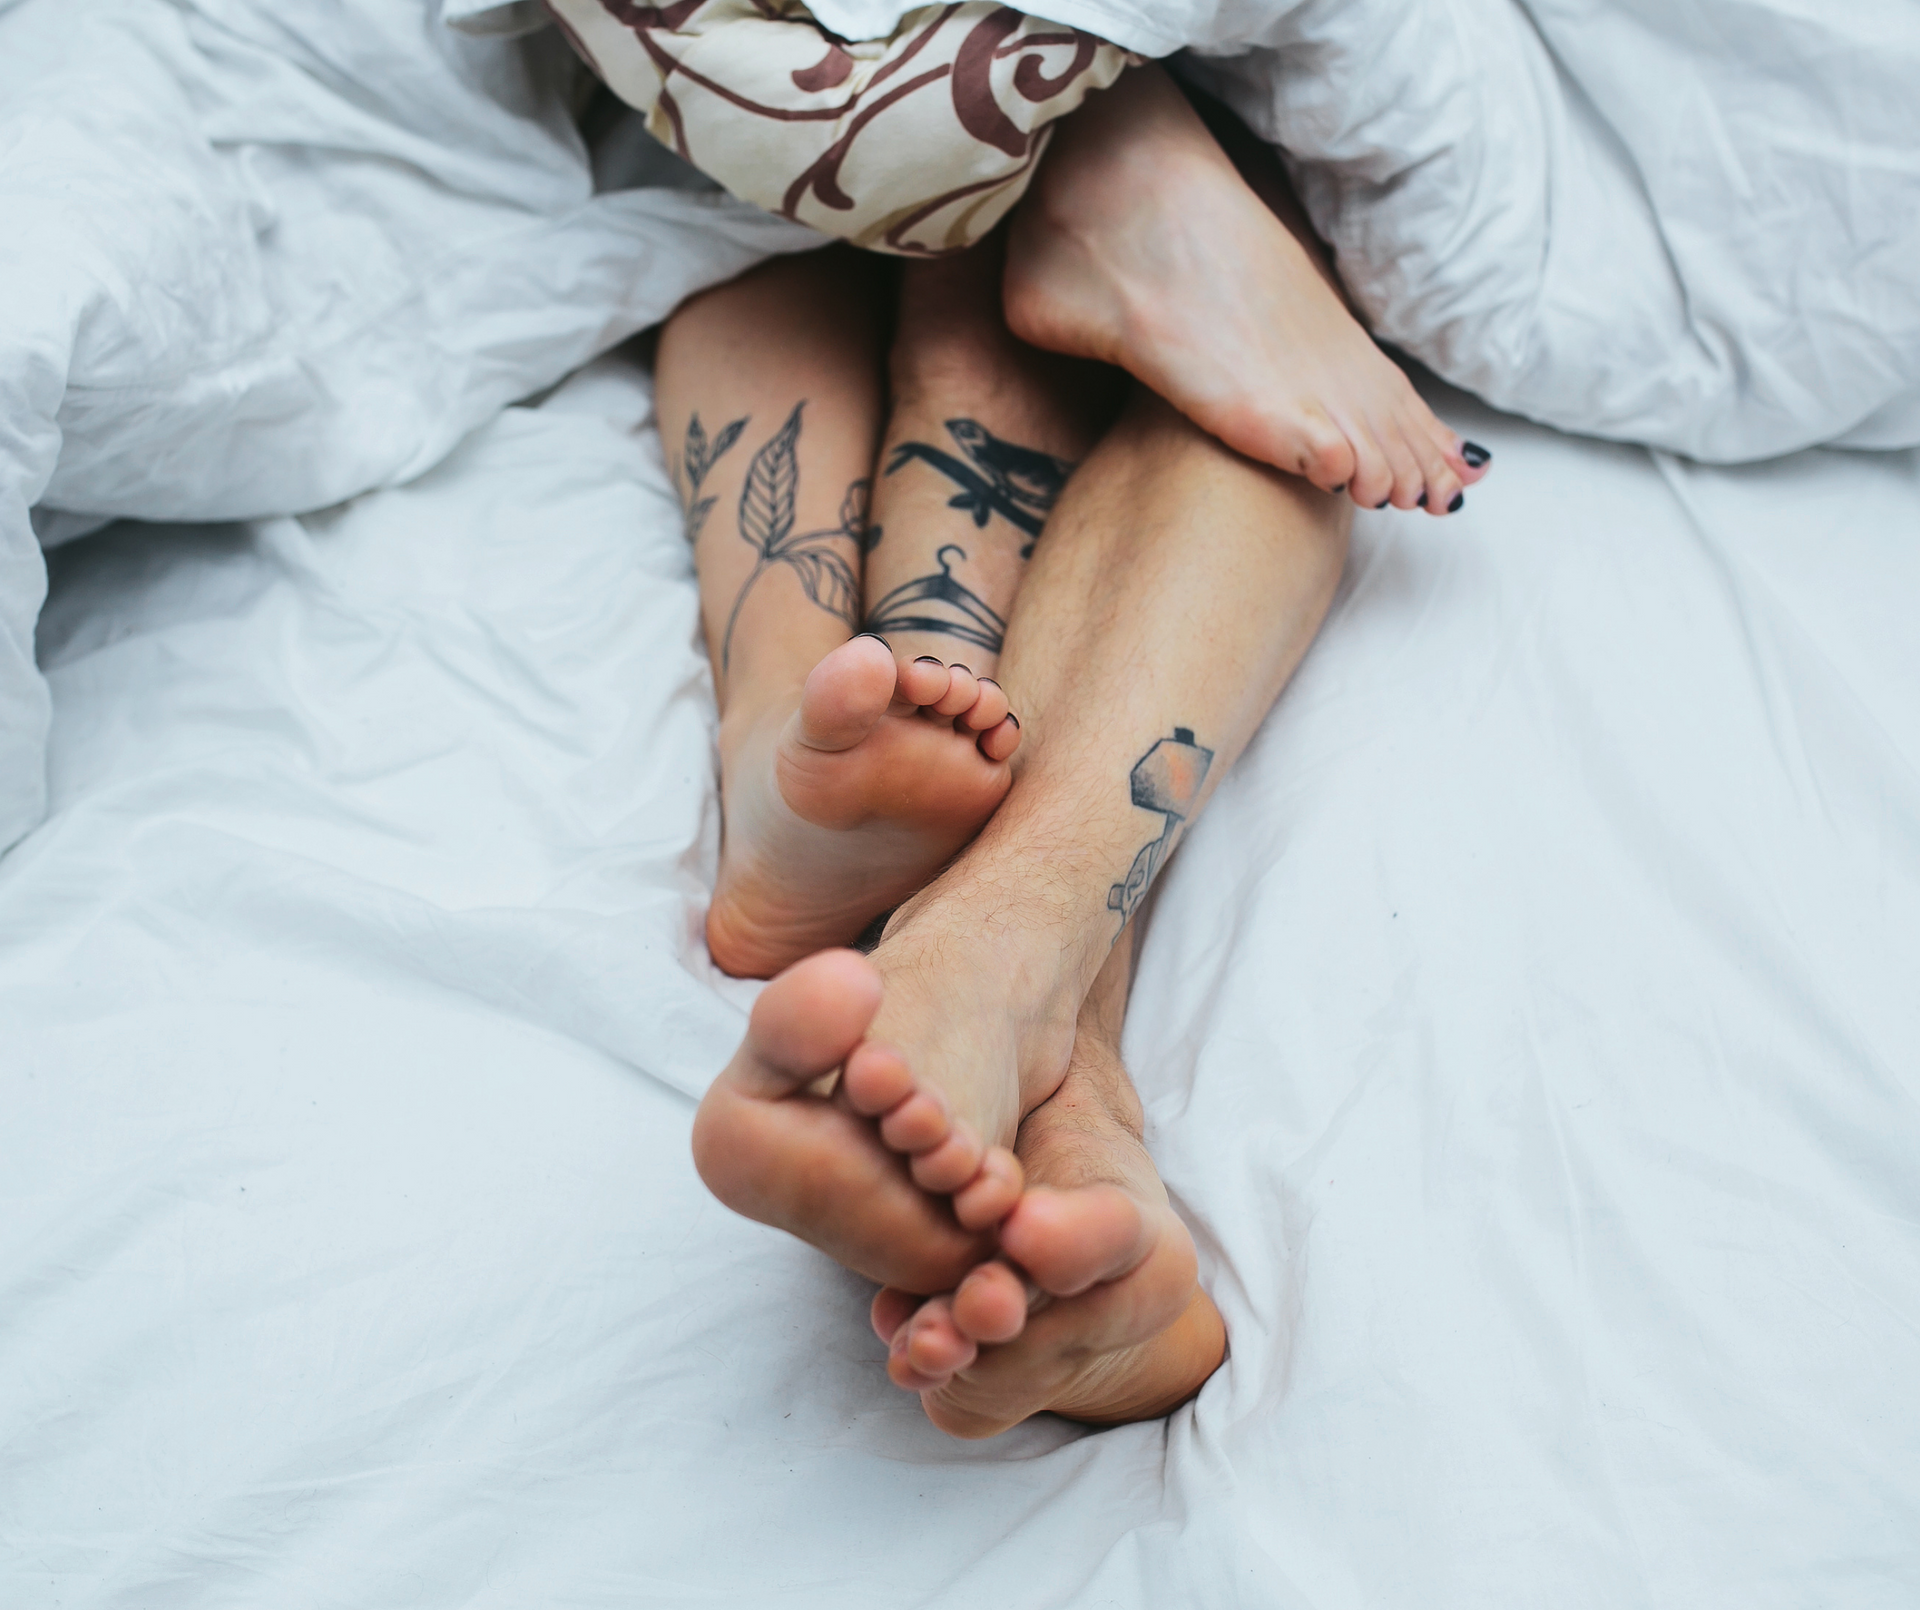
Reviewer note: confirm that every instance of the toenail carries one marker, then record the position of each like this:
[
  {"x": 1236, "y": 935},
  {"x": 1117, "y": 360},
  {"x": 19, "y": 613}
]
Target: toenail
[
  {"x": 1383, "y": 503},
  {"x": 1341, "y": 487},
  {"x": 877, "y": 638},
  {"x": 959, "y": 667},
  {"x": 988, "y": 682},
  {"x": 1014, "y": 719},
  {"x": 1474, "y": 454},
  {"x": 928, "y": 659},
  {"x": 1422, "y": 503},
  {"x": 1459, "y": 500}
]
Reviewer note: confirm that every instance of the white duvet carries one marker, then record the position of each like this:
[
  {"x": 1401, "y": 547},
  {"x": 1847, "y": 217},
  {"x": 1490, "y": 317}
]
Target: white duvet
[{"x": 1528, "y": 1031}]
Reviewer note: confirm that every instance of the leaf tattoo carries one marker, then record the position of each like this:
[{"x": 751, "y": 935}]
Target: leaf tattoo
[
  {"x": 766, "y": 523},
  {"x": 696, "y": 459}
]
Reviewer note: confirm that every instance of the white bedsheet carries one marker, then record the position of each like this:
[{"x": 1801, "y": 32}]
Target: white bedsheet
[{"x": 1528, "y": 1031}]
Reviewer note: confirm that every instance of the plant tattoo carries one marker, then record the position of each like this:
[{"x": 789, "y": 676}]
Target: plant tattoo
[
  {"x": 1165, "y": 780},
  {"x": 1020, "y": 484},
  {"x": 698, "y": 458},
  {"x": 767, "y": 516},
  {"x": 902, "y": 610}
]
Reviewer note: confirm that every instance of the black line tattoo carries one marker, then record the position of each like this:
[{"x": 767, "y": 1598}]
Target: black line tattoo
[
  {"x": 695, "y": 460},
  {"x": 766, "y": 523},
  {"x": 1166, "y": 780},
  {"x": 1020, "y": 484},
  {"x": 902, "y": 610}
]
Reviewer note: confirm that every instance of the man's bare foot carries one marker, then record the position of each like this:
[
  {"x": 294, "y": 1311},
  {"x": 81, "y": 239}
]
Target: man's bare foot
[
  {"x": 878, "y": 1174},
  {"x": 844, "y": 800},
  {"x": 1114, "y": 1326},
  {"x": 1140, "y": 245}
]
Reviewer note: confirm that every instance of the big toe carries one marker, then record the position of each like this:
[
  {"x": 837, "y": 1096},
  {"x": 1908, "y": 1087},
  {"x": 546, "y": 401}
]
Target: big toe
[
  {"x": 1071, "y": 1240},
  {"x": 846, "y": 694},
  {"x": 806, "y": 1023}
]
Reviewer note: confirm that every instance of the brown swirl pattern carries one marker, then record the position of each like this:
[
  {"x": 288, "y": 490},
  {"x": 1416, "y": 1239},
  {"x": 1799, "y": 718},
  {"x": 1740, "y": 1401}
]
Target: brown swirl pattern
[{"x": 917, "y": 144}]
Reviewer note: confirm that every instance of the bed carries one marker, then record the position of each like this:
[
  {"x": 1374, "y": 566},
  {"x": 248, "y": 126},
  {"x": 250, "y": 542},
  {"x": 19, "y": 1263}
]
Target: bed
[{"x": 1528, "y": 1032}]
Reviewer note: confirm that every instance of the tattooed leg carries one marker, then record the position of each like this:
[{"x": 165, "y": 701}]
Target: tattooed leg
[
  {"x": 837, "y": 799},
  {"x": 1141, "y": 245},
  {"x": 1176, "y": 587},
  {"x": 983, "y": 434}
]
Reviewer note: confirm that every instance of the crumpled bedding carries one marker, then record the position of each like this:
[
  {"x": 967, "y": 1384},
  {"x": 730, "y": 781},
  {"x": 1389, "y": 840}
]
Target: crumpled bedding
[
  {"x": 1527, "y": 1030},
  {"x": 257, "y": 260}
]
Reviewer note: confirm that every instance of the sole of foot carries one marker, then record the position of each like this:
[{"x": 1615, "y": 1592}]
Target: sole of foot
[
  {"x": 871, "y": 1167},
  {"x": 1093, "y": 1310},
  {"x": 1140, "y": 245},
  {"x": 843, "y": 799}
]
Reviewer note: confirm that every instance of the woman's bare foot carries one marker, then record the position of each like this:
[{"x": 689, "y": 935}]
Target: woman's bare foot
[
  {"x": 1141, "y": 245},
  {"x": 843, "y": 800},
  {"x": 1113, "y": 1327},
  {"x": 878, "y": 1174}
]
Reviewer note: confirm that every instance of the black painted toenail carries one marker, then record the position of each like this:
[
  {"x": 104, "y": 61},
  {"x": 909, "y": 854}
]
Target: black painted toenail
[
  {"x": 1383, "y": 503},
  {"x": 928, "y": 659},
  {"x": 877, "y": 638},
  {"x": 1459, "y": 502},
  {"x": 1422, "y": 503},
  {"x": 1474, "y": 454},
  {"x": 1341, "y": 487},
  {"x": 959, "y": 667},
  {"x": 988, "y": 682},
  {"x": 1014, "y": 719}
]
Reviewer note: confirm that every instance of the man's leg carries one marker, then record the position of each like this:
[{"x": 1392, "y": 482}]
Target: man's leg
[
  {"x": 1177, "y": 586},
  {"x": 838, "y": 801},
  {"x": 1118, "y": 1327}
]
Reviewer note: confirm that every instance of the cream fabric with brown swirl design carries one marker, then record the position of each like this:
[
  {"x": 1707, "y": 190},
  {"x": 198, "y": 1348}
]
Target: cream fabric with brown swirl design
[{"x": 918, "y": 143}]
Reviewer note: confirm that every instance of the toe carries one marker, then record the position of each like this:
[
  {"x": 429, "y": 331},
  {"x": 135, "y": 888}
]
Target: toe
[
  {"x": 1070, "y": 1240},
  {"x": 924, "y": 680},
  {"x": 805, "y": 1023},
  {"x": 990, "y": 1305},
  {"x": 918, "y": 1124},
  {"x": 929, "y": 1347},
  {"x": 846, "y": 694},
  {"x": 989, "y": 1196},
  {"x": 963, "y": 688},
  {"x": 988, "y": 710},
  {"x": 1373, "y": 479},
  {"x": 1321, "y": 452},
  {"x": 951, "y": 1164},
  {"x": 1409, "y": 477},
  {"x": 999, "y": 743},
  {"x": 876, "y": 1079},
  {"x": 1437, "y": 476},
  {"x": 891, "y": 1309}
]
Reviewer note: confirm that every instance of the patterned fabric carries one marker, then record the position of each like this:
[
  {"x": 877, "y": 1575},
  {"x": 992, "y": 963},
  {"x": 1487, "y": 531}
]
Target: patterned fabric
[{"x": 918, "y": 143}]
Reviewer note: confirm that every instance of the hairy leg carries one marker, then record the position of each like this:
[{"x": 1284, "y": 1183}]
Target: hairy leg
[
  {"x": 1141, "y": 244},
  {"x": 1110, "y": 1323},
  {"x": 838, "y": 799}
]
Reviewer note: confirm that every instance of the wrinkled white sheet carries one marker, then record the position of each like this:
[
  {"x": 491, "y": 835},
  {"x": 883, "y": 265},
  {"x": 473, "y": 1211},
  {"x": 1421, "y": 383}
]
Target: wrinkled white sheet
[
  {"x": 1692, "y": 226},
  {"x": 255, "y": 259},
  {"x": 1528, "y": 1031}
]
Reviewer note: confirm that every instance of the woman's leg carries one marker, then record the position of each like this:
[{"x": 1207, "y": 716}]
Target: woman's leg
[
  {"x": 982, "y": 434},
  {"x": 838, "y": 799},
  {"x": 1141, "y": 244}
]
